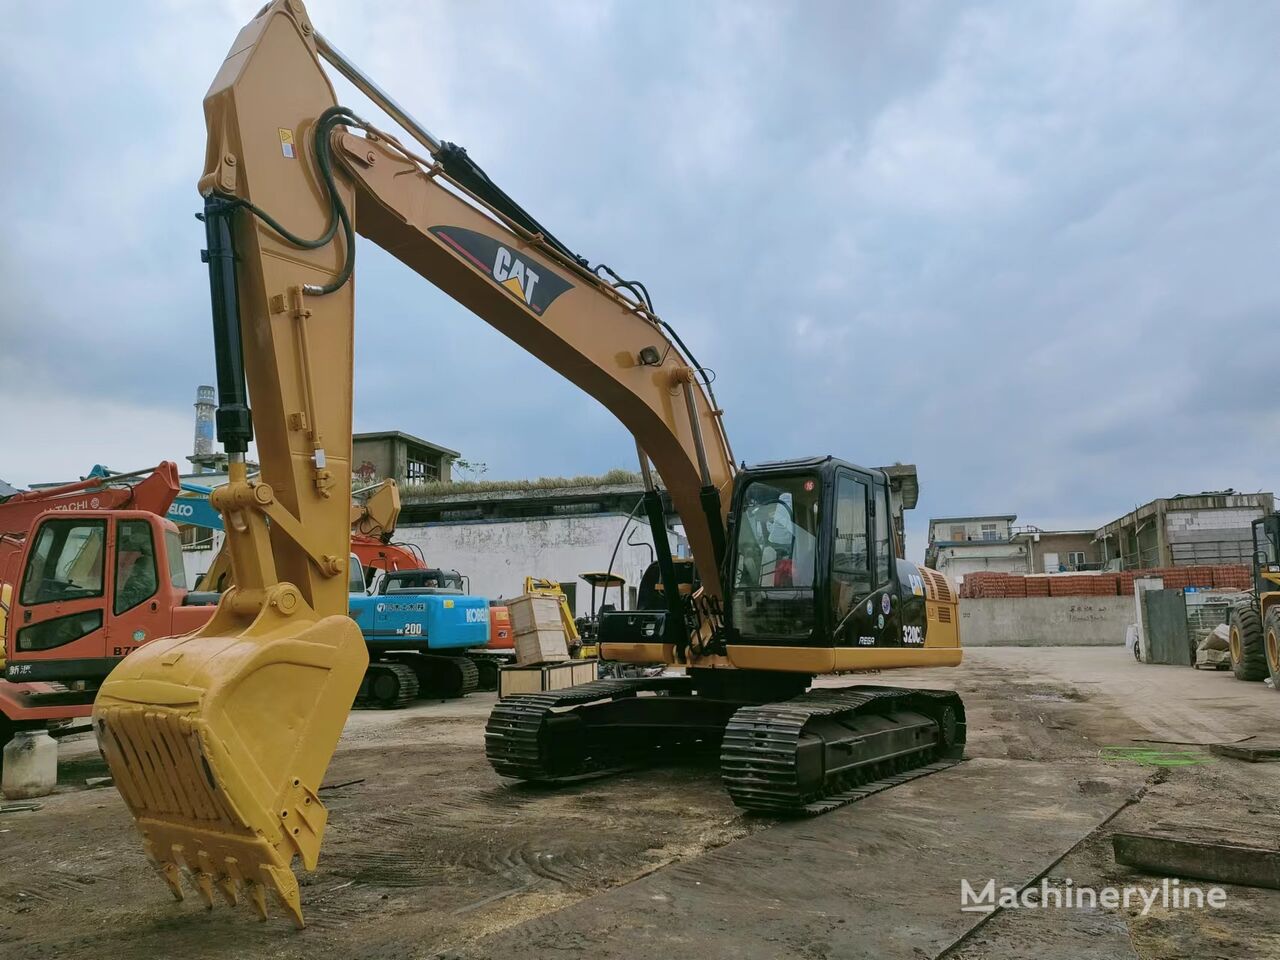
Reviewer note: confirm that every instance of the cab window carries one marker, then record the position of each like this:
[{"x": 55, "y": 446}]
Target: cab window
[
  {"x": 776, "y": 552},
  {"x": 177, "y": 571},
  {"x": 66, "y": 563},
  {"x": 850, "y": 558},
  {"x": 135, "y": 564},
  {"x": 884, "y": 552}
]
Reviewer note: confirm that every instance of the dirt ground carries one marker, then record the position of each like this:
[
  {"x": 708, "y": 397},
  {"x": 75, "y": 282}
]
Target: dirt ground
[{"x": 430, "y": 854}]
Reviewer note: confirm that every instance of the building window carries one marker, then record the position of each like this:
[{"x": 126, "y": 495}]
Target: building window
[
  {"x": 195, "y": 538},
  {"x": 421, "y": 471},
  {"x": 1075, "y": 559},
  {"x": 989, "y": 531}
]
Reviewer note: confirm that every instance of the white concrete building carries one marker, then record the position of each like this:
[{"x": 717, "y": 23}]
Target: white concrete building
[
  {"x": 961, "y": 545},
  {"x": 499, "y": 535},
  {"x": 498, "y": 554}
]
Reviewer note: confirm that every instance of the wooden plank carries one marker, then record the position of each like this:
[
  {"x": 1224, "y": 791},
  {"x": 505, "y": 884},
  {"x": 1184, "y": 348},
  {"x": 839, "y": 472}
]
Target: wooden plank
[
  {"x": 1199, "y": 860},
  {"x": 545, "y": 676}
]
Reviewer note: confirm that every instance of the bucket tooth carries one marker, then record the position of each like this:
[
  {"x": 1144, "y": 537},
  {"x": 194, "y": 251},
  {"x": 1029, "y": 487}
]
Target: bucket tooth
[
  {"x": 230, "y": 881},
  {"x": 171, "y": 874},
  {"x": 285, "y": 886},
  {"x": 204, "y": 883},
  {"x": 227, "y": 887},
  {"x": 258, "y": 897},
  {"x": 205, "y": 875}
]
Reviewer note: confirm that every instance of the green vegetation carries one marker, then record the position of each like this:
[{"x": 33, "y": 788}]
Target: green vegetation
[{"x": 615, "y": 477}]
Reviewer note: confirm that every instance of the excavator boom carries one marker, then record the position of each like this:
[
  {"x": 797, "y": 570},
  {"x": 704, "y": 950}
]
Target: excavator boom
[{"x": 218, "y": 740}]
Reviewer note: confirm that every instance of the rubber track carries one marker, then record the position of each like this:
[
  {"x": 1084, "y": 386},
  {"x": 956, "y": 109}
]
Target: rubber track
[
  {"x": 511, "y": 737},
  {"x": 759, "y": 750},
  {"x": 408, "y": 687}
]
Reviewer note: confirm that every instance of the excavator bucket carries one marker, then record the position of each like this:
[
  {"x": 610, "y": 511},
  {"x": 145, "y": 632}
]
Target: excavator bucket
[{"x": 218, "y": 745}]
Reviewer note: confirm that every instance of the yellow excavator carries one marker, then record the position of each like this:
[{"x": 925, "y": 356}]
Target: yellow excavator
[{"x": 218, "y": 740}]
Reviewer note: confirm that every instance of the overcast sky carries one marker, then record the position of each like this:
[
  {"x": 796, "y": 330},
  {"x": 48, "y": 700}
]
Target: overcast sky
[{"x": 1031, "y": 248}]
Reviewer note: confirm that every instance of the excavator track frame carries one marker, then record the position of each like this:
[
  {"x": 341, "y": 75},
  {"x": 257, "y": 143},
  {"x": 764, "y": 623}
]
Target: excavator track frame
[
  {"x": 827, "y": 747},
  {"x": 805, "y": 755}
]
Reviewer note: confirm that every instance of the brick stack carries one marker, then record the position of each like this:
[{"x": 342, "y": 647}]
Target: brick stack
[
  {"x": 987, "y": 584},
  {"x": 1232, "y": 578},
  {"x": 1037, "y": 586}
]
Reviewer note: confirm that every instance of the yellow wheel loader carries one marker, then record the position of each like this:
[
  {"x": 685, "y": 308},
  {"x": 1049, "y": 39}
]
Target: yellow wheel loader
[{"x": 1255, "y": 623}]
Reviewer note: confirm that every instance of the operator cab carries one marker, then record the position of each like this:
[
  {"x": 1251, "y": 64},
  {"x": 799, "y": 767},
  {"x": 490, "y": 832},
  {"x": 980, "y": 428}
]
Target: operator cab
[
  {"x": 1266, "y": 553},
  {"x": 811, "y": 561},
  {"x": 86, "y": 573},
  {"x": 424, "y": 581},
  {"x": 811, "y": 557}
]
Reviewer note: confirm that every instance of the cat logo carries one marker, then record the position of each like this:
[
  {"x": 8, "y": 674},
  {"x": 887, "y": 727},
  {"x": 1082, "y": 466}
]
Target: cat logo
[
  {"x": 511, "y": 272},
  {"x": 536, "y": 286}
]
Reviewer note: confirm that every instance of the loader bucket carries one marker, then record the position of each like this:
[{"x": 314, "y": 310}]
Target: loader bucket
[{"x": 218, "y": 745}]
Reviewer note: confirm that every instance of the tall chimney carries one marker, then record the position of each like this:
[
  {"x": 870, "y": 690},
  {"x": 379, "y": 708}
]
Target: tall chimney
[{"x": 203, "y": 444}]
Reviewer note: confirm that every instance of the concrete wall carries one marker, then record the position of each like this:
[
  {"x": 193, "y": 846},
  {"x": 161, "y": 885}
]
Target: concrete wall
[
  {"x": 1211, "y": 536},
  {"x": 498, "y": 555},
  {"x": 373, "y": 460},
  {"x": 1062, "y": 544},
  {"x": 1045, "y": 621}
]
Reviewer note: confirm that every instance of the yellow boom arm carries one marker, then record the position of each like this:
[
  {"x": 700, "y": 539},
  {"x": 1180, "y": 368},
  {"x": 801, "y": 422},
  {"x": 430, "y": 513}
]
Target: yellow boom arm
[{"x": 218, "y": 740}]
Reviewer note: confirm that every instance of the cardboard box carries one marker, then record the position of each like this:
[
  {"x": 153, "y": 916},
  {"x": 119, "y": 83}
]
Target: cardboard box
[{"x": 550, "y": 676}]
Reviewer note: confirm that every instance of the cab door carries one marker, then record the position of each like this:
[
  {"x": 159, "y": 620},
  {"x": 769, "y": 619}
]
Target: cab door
[
  {"x": 90, "y": 593},
  {"x": 866, "y": 603},
  {"x": 141, "y": 605},
  {"x": 854, "y": 611},
  {"x": 58, "y": 619}
]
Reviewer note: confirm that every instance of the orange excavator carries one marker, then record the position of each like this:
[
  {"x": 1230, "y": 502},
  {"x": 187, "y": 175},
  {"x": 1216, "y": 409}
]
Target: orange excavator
[
  {"x": 88, "y": 571},
  {"x": 218, "y": 740}
]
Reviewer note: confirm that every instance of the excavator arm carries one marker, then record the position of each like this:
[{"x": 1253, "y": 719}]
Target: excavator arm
[{"x": 218, "y": 740}]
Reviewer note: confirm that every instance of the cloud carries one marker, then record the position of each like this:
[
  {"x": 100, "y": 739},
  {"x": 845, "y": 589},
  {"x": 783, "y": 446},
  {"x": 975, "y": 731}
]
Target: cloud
[
  {"x": 1028, "y": 248},
  {"x": 55, "y": 432}
]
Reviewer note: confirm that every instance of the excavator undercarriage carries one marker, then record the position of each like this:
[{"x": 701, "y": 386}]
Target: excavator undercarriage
[{"x": 800, "y": 754}]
